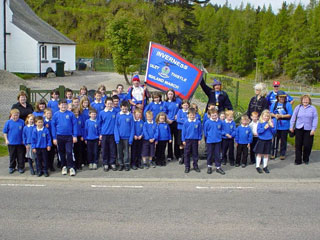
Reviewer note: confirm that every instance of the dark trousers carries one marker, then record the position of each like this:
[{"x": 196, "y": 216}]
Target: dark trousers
[
  {"x": 65, "y": 145},
  {"x": 191, "y": 148},
  {"x": 17, "y": 153},
  {"x": 109, "y": 152},
  {"x": 174, "y": 144},
  {"x": 228, "y": 144},
  {"x": 136, "y": 149},
  {"x": 283, "y": 136},
  {"x": 123, "y": 152},
  {"x": 160, "y": 152},
  {"x": 214, "y": 154},
  {"x": 78, "y": 151},
  {"x": 252, "y": 153},
  {"x": 304, "y": 144},
  {"x": 92, "y": 151},
  {"x": 242, "y": 152},
  {"x": 51, "y": 154},
  {"x": 42, "y": 160}
]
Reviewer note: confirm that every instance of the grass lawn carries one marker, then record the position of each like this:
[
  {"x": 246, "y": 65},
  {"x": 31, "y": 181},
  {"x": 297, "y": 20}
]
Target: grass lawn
[
  {"x": 3, "y": 148},
  {"x": 26, "y": 76}
]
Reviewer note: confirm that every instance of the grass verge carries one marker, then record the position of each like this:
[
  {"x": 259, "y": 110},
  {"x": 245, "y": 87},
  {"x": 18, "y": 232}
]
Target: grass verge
[{"x": 3, "y": 148}]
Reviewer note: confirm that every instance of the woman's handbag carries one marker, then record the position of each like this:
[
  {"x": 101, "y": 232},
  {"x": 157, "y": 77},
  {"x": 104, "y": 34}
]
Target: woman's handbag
[{"x": 292, "y": 134}]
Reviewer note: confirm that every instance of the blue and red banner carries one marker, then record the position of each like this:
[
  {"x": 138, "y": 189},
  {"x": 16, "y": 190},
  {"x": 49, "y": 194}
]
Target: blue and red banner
[{"x": 166, "y": 69}]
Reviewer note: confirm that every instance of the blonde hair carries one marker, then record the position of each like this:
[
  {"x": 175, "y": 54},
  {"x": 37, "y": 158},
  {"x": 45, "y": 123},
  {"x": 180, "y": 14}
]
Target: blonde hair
[
  {"x": 161, "y": 114},
  {"x": 262, "y": 114},
  {"x": 47, "y": 110},
  {"x": 263, "y": 89},
  {"x": 26, "y": 122},
  {"x": 228, "y": 113},
  {"x": 149, "y": 113},
  {"x": 14, "y": 111},
  {"x": 84, "y": 98}
]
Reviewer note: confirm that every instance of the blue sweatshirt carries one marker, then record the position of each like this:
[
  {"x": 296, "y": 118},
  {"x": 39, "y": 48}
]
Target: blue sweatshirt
[
  {"x": 124, "y": 127},
  {"x": 80, "y": 126},
  {"x": 27, "y": 134},
  {"x": 213, "y": 131},
  {"x": 163, "y": 132},
  {"x": 155, "y": 108},
  {"x": 117, "y": 109},
  {"x": 107, "y": 121},
  {"x": 228, "y": 128},
  {"x": 85, "y": 114},
  {"x": 150, "y": 131},
  {"x": 138, "y": 128},
  {"x": 182, "y": 117},
  {"x": 98, "y": 106},
  {"x": 91, "y": 130},
  {"x": 14, "y": 131},
  {"x": 38, "y": 114},
  {"x": 41, "y": 138},
  {"x": 172, "y": 109},
  {"x": 122, "y": 97},
  {"x": 244, "y": 135},
  {"x": 54, "y": 105},
  {"x": 48, "y": 124},
  {"x": 205, "y": 118},
  {"x": 64, "y": 123},
  {"x": 265, "y": 134},
  {"x": 191, "y": 130}
]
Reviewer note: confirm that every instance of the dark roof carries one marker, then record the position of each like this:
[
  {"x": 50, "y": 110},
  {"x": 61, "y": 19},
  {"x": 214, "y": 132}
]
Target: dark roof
[{"x": 25, "y": 19}]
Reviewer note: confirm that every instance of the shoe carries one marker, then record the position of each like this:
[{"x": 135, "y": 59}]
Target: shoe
[
  {"x": 197, "y": 169},
  {"x": 266, "y": 170},
  {"x": 121, "y": 167},
  {"x": 259, "y": 170},
  {"x": 186, "y": 170},
  {"x": 209, "y": 170},
  {"x": 146, "y": 166},
  {"x": 180, "y": 161},
  {"x": 106, "y": 168},
  {"x": 32, "y": 171},
  {"x": 52, "y": 169},
  {"x": 113, "y": 167},
  {"x": 21, "y": 171},
  {"x": 46, "y": 174},
  {"x": 39, "y": 174},
  {"x": 224, "y": 163},
  {"x": 64, "y": 171},
  {"x": 169, "y": 159},
  {"x": 141, "y": 166},
  {"x": 153, "y": 164},
  {"x": 219, "y": 170},
  {"x": 72, "y": 172},
  {"x": 127, "y": 168},
  {"x": 282, "y": 157},
  {"x": 306, "y": 163},
  {"x": 90, "y": 166},
  {"x": 237, "y": 165},
  {"x": 295, "y": 163},
  {"x": 134, "y": 167},
  {"x": 11, "y": 170},
  {"x": 94, "y": 166},
  {"x": 243, "y": 165},
  {"x": 273, "y": 157},
  {"x": 231, "y": 164}
]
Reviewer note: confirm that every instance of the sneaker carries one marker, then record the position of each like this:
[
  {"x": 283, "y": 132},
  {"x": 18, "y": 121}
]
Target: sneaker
[
  {"x": 219, "y": 170},
  {"x": 209, "y": 170},
  {"x": 282, "y": 157},
  {"x": 39, "y": 174},
  {"x": 259, "y": 170},
  {"x": 94, "y": 166},
  {"x": 121, "y": 167},
  {"x": 11, "y": 170},
  {"x": 90, "y": 166},
  {"x": 266, "y": 170},
  {"x": 21, "y": 170},
  {"x": 134, "y": 167},
  {"x": 46, "y": 174},
  {"x": 106, "y": 168},
  {"x": 169, "y": 159},
  {"x": 72, "y": 172},
  {"x": 153, "y": 164},
  {"x": 127, "y": 168},
  {"x": 114, "y": 167},
  {"x": 146, "y": 166},
  {"x": 180, "y": 161},
  {"x": 273, "y": 157},
  {"x": 64, "y": 171}
]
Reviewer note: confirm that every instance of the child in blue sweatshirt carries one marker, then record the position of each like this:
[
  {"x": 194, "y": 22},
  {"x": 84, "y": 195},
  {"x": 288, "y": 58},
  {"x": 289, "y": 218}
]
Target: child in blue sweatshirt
[
  {"x": 136, "y": 146},
  {"x": 182, "y": 117},
  {"x": 98, "y": 104},
  {"x": 191, "y": 137},
  {"x": 91, "y": 137},
  {"x": 213, "y": 129},
  {"x": 116, "y": 102},
  {"x": 229, "y": 132},
  {"x": 156, "y": 106},
  {"x": 123, "y": 134},
  {"x": 107, "y": 121},
  {"x": 243, "y": 140},
  {"x": 39, "y": 108},
  {"x": 266, "y": 129},
  {"x": 163, "y": 134},
  {"x": 78, "y": 147},
  {"x": 149, "y": 139},
  {"x": 12, "y": 133},
  {"x": 27, "y": 140},
  {"x": 53, "y": 104},
  {"x": 64, "y": 134},
  {"x": 41, "y": 144},
  {"x": 53, "y": 150}
]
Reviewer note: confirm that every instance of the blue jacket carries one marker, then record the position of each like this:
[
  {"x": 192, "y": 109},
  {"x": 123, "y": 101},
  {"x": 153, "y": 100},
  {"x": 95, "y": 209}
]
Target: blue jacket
[
  {"x": 80, "y": 126},
  {"x": 191, "y": 130},
  {"x": 155, "y": 109},
  {"x": 182, "y": 117},
  {"x": 163, "y": 132},
  {"x": 172, "y": 109},
  {"x": 213, "y": 131},
  {"x": 228, "y": 128},
  {"x": 91, "y": 130},
  {"x": 124, "y": 127},
  {"x": 107, "y": 121},
  {"x": 266, "y": 134},
  {"x": 138, "y": 128},
  {"x": 54, "y": 105},
  {"x": 150, "y": 131},
  {"x": 64, "y": 123},
  {"x": 98, "y": 107},
  {"x": 244, "y": 135},
  {"x": 14, "y": 131},
  {"x": 282, "y": 124},
  {"x": 41, "y": 138},
  {"x": 27, "y": 134}
]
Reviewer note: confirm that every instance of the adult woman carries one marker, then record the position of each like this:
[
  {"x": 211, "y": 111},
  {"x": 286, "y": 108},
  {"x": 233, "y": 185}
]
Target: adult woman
[
  {"x": 172, "y": 105},
  {"x": 305, "y": 118},
  {"x": 23, "y": 106},
  {"x": 258, "y": 103}
]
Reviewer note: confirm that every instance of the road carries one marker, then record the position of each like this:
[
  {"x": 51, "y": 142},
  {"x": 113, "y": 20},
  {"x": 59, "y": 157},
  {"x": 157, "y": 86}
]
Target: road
[
  {"x": 53, "y": 210},
  {"x": 315, "y": 101}
]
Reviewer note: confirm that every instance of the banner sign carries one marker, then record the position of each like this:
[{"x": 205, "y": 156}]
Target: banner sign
[{"x": 166, "y": 69}]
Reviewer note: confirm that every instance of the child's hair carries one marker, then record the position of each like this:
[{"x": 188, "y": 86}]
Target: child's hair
[
  {"x": 39, "y": 118},
  {"x": 114, "y": 93},
  {"x": 192, "y": 111},
  {"x": 92, "y": 110},
  {"x": 185, "y": 102},
  {"x": 119, "y": 85},
  {"x": 149, "y": 113},
  {"x": 27, "y": 118},
  {"x": 174, "y": 94},
  {"x": 75, "y": 109},
  {"x": 108, "y": 99},
  {"x": 222, "y": 113},
  {"x": 210, "y": 105},
  {"x": 137, "y": 110},
  {"x": 161, "y": 114},
  {"x": 83, "y": 99},
  {"x": 68, "y": 90},
  {"x": 14, "y": 111},
  {"x": 212, "y": 111},
  {"x": 47, "y": 110},
  {"x": 228, "y": 113},
  {"x": 41, "y": 102},
  {"x": 84, "y": 88},
  {"x": 254, "y": 114},
  {"x": 245, "y": 118},
  {"x": 195, "y": 106},
  {"x": 263, "y": 113},
  {"x": 103, "y": 87},
  {"x": 114, "y": 97},
  {"x": 97, "y": 92},
  {"x": 75, "y": 98},
  {"x": 63, "y": 101},
  {"x": 56, "y": 92},
  {"x": 124, "y": 104},
  {"x": 157, "y": 95}
]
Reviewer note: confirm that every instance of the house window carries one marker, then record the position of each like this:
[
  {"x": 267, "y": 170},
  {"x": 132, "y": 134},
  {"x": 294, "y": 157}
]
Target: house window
[
  {"x": 56, "y": 52},
  {"x": 44, "y": 52}
]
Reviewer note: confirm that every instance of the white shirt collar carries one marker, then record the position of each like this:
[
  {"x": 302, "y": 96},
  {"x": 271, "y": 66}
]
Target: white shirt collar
[
  {"x": 97, "y": 101},
  {"x": 243, "y": 125},
  {"x": 214, "y": 120},
  {"x": 136, "y": 120},
  {"x": 121, "y": 113},
  {"x": 93, "y": 120},
  {"x": 192, "y": 120},
  {"x": 184, "y": 110},
  {"x": 228, "y": 121},
  {"x": 150, "y": 122},
  {"x": 46, "y": 119},
  {"x": 157, "y": 103},
  {"x": 30, "y": 125},
  {"x": 41, "y": 129},
  {"x": 106, "y": 110}
]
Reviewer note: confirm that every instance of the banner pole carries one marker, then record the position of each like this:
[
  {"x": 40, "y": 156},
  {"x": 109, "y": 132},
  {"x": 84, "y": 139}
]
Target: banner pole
[{"x": 145, "y": 78}]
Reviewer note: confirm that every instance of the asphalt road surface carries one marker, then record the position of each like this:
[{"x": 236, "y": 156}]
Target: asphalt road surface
[
  {"x": 315, "y": 101},
  {"x": 159, "y": 211}
]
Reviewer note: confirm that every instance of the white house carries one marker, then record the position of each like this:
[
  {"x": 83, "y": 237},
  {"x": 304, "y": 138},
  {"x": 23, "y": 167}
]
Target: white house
[{"x": 29, "y": 44}]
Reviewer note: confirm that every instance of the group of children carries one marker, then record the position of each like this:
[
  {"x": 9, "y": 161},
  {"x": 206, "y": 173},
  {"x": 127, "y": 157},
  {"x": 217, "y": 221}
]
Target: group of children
[{"x": 80, "y": 128}]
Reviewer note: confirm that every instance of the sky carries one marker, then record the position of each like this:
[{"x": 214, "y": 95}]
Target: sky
[{"x": 276, "y": 4}]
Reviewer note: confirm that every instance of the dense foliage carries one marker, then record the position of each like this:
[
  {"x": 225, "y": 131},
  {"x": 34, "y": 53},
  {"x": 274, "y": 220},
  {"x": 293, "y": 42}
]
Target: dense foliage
[{"x": 239, "y": 40}]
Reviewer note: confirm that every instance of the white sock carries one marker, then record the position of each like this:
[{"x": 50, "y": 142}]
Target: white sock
[
  {"x": 265, "y": 162},
  {"x": 258, "y": 161},
  {"x": 210, "y": 166}
]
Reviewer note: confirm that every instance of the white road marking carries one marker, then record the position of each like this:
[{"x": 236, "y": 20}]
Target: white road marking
[
  {"x": 113, "y": 186},
  {"x": 22, "y": 185},
  {"x": 198, "y": 187}
]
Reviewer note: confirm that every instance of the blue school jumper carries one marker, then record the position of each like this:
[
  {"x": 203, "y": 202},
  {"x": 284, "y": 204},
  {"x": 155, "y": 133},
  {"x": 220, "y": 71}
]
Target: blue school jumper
[
  {"x": 172, "y": 109},
  {"x": 98, "y": 106},
  {"x": 136, "y": 147},
  {"x": 41, "y": 139},
  {"x": 85, "y": 114},
  {"x": 149, "y": 132},
  {"x": 91, "y": 135},
  {"x": 38, "y": 114},
  {"x": 27, "y": 134},
  {"x": 182, "y": 117},
  {"x": 54, "y": 105},
  {"x": 155, "y": 108},
  {"x": 244, "y": 137},
  {"x": 122, "y": 97},
  {"x": 213, "y": 133},
  {"x": 163, "y": 132}
]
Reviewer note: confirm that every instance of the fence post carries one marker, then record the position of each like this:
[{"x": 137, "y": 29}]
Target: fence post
[
  {"x": 237, "y": 93},
  {"x": 61, "y": 90}
]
